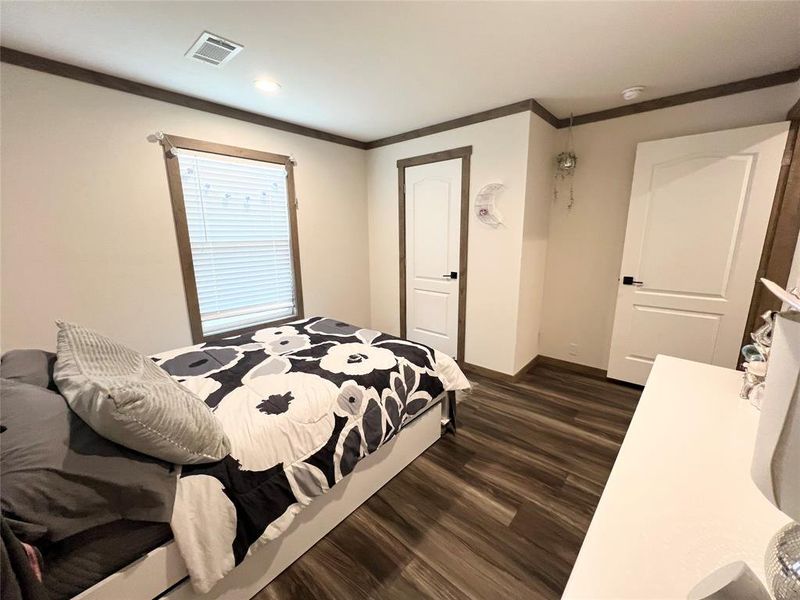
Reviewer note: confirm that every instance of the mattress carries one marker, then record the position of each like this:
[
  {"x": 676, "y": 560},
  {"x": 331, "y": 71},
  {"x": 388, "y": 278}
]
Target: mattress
[
  {"x": 302, "y": 404},
  {"x": 82, "y": 560}
]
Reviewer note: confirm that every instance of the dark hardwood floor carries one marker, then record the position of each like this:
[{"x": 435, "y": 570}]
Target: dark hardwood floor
[{"x": 498, "y": 511}]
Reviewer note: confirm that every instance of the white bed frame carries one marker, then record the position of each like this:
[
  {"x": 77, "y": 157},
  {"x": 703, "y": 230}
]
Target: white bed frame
[{"x": 162, "y": 573}]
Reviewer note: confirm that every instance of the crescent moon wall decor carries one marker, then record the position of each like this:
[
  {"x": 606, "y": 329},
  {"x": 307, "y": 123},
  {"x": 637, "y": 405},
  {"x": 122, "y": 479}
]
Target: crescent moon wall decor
[{"x": 485, "y": 204}]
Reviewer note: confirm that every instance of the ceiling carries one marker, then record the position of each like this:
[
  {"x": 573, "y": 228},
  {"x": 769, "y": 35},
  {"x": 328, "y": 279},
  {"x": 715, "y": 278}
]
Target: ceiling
[{"x": 372, "y": 69}]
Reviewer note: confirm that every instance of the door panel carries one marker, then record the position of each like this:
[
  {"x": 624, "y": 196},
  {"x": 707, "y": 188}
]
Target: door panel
[
  {"x": 431, "y": 199},
  {"x": 654, "y": 326},
  {"x": 696, "y": 224},
  {"x": 433, "y": 210},
  {"x": 693, "y": 218},
  {"x": 431, "y": 312}
]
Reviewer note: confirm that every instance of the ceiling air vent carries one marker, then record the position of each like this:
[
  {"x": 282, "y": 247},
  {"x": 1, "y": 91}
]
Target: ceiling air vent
[{"x": 211, "y": 49}]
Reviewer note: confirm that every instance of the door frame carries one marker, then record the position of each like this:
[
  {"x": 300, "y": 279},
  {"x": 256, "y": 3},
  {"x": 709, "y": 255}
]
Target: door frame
[
  {"x": 464, "y": 153},
  {"x": 782, "y": 231}
]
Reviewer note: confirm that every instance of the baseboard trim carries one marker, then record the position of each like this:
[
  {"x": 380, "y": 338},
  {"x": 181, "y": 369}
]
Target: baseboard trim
[
  {"x": 534, "y": 361},
  {"x": 547, "y": 361},
  {"x": 498, "y": 375},
  {"x": 488, "y": 373},
  {"x": 573, "y": 367}
]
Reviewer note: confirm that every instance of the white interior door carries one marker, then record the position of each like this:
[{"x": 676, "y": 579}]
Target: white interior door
[
  {"x": 696, "y": 224},
  {"x": 433, "y": 214}
]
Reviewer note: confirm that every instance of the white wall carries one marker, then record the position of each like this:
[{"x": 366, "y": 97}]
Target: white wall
[
  {"x": 500, "y": 150},
  {"x": 87, "y": 229},
  {"x": 538, "y": 200},
  {"x": 585, "y": 244}
]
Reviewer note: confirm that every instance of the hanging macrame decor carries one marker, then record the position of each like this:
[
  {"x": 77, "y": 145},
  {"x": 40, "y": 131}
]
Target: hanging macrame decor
[{"x": 565, "y": 168}]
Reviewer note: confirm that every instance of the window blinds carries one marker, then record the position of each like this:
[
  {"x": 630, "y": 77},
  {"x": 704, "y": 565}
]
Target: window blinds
[{"x": 237, "y": 212}]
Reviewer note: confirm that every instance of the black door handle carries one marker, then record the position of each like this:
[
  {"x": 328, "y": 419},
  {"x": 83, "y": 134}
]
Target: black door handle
[
  {"x": 451, "y": 275},
  {"x": 629, "y": 280}
]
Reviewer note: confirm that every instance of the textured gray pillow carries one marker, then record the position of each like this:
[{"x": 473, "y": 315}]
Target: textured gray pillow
[
  {"x": 127, "y": 398},
  {"x": 28, "y": 366},
  {"x": 61, "y": 478}
]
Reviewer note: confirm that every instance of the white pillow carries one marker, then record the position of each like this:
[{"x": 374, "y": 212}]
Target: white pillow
[{"x": 125, "y": 397}]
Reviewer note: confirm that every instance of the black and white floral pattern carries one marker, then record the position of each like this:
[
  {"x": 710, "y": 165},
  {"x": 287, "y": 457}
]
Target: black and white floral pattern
[{"x": 302, "y": 404}]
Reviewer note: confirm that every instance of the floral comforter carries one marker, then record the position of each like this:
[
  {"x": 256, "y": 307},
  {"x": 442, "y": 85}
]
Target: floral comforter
[{"x": 302, "y": 404}]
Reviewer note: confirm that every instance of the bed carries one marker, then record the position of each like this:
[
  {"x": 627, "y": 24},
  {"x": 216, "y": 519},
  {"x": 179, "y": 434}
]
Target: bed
[
  {"x": 320, "y": 415},
  {"x": 79, "y": 562}
]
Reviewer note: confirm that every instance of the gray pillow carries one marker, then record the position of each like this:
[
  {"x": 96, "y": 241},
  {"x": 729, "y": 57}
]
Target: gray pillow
[
  {"x": 126, "y": 397},
  {"x": 28, "y": 366},
  {"x": 61, "y": 478}
]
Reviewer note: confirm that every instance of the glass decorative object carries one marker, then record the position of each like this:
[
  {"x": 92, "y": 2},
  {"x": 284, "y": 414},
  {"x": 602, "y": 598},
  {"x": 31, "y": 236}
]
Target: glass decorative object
[
  {"x": 566, "y": 161},
  {"x": 565, "y": 167},
  {"x": 756, "y": 356},
  {"x": 782, "y": 563}
]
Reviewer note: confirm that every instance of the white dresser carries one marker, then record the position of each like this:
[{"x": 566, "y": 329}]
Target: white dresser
[{"x": 679, "y": 502}]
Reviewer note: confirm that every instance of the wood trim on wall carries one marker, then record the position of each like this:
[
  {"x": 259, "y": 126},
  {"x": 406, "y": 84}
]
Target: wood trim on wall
[
  {"x": 566, "y": 365},
  {"x": 486, "y": 115},
  {"x": 545, "y": 114},
  {"x": 488, "y": 373},
  {"x": 294, "y": 239},
  {"x": 464, "y": 153},
  {"x": 226, "y": 150},
  {"x": 782, "y": 234},
  {"x": 794, "y": 112},
  {"x": 425, "y": 159},
  {"x": 184, "y": 247},
  {"x": 182, "y": 226},
  {"x": 715, "y": 91},
  {"x": 61, "y": 69},
  {"x": 463, "y": 252},
  {"x": 540, "y": 360},
  {"x": 498, "y": 375}
]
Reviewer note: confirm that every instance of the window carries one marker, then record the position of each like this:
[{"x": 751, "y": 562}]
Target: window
[{"x": 237, "y": 235}]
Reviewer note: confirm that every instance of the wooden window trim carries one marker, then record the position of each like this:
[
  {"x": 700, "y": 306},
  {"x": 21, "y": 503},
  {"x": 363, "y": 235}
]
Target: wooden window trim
[
  {"x": 465, "y": 154},
  {"x": 182, "y": 227}
]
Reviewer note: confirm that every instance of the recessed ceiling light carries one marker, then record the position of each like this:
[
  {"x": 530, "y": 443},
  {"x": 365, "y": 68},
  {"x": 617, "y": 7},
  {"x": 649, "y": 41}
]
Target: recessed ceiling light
[
  {"x": 267, "y": 85},
  {"x": 633, "y": 92}
]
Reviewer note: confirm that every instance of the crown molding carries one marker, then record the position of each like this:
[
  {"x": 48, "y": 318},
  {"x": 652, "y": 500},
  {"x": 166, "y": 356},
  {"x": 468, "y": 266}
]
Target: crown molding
[
  {"x": 54, "y": 67},
  {"x": 715, "y": 91},
  {"x": 794, "y": 112},
  {"x": 479, "y": 117},
  {"x": 61, "y": 69}
]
